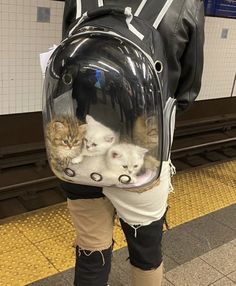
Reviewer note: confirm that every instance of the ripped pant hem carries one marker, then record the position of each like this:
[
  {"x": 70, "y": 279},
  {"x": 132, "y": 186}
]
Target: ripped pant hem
[
  {"x": 82, "y": 251},
  {"x": 88, "y": 248}
]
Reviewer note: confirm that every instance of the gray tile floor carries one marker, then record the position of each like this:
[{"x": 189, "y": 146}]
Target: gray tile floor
[
  {"x": 199, "y": 253},
  {"x": 212, "y": 268}
]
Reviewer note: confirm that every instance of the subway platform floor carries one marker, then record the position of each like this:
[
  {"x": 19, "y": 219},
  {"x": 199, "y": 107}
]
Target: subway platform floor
[{"x": 199, "y": 249}]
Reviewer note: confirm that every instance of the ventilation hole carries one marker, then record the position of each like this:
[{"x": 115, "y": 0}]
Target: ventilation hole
[
  {"x": 124, "y": 179},
  {"x": 69, "y": 172},
  {"x": 158, "y": 66},
  {"x": 96, "y": 177},
  {"x": 67, "y": 79}
]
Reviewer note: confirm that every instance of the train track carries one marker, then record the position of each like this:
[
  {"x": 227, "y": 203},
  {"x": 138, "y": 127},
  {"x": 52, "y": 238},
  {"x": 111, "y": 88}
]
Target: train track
[
  {"x": 27, "y": 182},
  {"x": 204, "y": 149}
]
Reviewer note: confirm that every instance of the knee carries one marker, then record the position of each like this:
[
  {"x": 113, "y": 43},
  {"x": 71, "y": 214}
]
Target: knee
[
  {"x": 145, "y": 249},
  {"x": 146, "y": 261},
  {"x": 93, "y": 222},
  {"x": 92, "y": 267}
]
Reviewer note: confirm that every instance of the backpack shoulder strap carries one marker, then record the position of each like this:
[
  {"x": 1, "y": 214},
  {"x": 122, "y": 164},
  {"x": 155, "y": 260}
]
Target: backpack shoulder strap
[
  {"x": 83, "y": 6},
  {"x": 153, "y": 11}
]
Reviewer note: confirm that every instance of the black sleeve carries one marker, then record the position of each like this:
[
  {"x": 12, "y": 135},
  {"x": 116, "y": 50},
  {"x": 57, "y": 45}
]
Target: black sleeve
[
  {"x": 68, "y": 16},
  {"x": 191, "y": 61}
]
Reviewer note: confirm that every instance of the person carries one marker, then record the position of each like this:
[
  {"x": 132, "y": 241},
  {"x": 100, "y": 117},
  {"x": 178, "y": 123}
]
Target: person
[{"x": 93, "y": 209}]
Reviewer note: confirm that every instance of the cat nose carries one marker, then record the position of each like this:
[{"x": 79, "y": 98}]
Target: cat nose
[{"x": 130, "y": 172}]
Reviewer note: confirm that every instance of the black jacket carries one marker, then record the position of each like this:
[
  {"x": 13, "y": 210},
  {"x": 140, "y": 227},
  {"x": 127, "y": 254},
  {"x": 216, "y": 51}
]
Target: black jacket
[{"x": 182, "y": 30}]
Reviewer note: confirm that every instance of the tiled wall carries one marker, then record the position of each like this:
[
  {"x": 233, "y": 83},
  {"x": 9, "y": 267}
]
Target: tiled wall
[
  {"x": 220, "y": 58},
  {"x": 22, "y": 39}
]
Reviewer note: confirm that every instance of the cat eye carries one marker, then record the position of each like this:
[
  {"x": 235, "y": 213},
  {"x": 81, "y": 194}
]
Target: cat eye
[
  {"x": 76, "y": 142},
  {"x": 125, "y": 166},
  {"x": 65, "y": 142},
  {"x": 135, "y": 166},
  {"x": 94, "y": 145}
]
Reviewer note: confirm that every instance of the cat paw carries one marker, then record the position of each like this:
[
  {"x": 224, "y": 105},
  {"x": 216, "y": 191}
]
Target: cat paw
[
  {"x": 62, "y": 163},
  {"x": 76, "y": 160}
]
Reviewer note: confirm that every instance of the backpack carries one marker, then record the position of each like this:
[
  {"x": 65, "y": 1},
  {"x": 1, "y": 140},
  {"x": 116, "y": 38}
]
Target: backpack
[{"x": 108, "y": 115}]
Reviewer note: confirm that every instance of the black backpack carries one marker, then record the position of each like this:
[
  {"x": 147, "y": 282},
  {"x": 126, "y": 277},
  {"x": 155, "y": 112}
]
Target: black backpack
[{"x": 108, "y": 114}]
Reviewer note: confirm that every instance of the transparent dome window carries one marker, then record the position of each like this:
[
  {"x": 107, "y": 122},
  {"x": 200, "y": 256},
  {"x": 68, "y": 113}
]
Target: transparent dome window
[{"x": 102, "y": 113}]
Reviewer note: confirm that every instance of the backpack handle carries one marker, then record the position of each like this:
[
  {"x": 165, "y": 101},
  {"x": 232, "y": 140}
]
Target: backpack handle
[
  {"x": 106, "y": 11},
  {"x": 109, "y": 10}
]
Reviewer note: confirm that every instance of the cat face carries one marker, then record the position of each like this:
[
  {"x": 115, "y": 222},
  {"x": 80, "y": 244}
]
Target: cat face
[
  {"x": 126, "y": 159},
  {"x": 66, "y": 134},
  {"x": 98, "y": 138},
  {"x": 145, "y": 132}
]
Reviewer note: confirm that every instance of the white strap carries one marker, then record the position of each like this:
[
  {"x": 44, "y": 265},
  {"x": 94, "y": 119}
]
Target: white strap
[
  {"x": 100, "y": 3},
  {"x": 84, "y": 16},
  {"x": 162, "y": 13},
  {"x": 78, "y": 8},
  {"x": 140, "y": 7},
  {"x": 129, "y": 17}
]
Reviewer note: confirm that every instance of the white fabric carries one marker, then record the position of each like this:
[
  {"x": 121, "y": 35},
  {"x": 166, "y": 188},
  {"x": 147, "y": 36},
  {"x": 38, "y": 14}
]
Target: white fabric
[{"x": 142, "y": 208}]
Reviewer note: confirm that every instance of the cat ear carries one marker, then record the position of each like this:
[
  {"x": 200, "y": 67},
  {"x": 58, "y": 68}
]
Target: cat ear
[
  {"x": 115, "y": 155},
  {"x": 90, "y": 119},
  {"x": 58, "y": 126},
  {"x": 109, "y": 138},
  {"x": 142, "y": 151},
  {"x": 151, "y": 122}
]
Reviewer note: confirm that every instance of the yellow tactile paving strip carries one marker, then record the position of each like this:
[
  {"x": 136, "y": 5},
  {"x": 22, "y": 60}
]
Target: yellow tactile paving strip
[{"x": 39, "y": 244}]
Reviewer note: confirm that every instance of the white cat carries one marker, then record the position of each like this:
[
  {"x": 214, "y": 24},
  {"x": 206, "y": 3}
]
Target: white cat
[
  {"x": 97, "y": 140},
  {"x": 124, "y": 161},
  {"x": 94, "y": 169},
  {"x": 120, "y": 165}
]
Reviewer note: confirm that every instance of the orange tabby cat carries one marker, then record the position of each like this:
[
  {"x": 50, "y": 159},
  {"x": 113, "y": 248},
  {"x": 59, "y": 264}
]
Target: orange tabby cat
[
  {"x": 64, "y": 139},
  {"x": 145, "y": 134}
]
